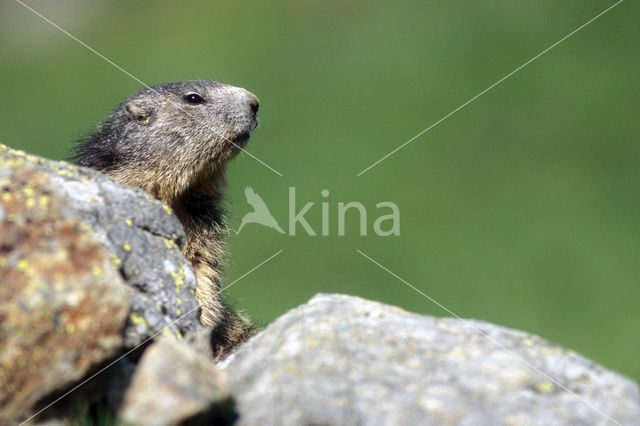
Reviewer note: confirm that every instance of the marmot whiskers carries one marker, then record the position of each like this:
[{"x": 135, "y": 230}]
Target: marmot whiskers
[{"x": 174, "y": 141}]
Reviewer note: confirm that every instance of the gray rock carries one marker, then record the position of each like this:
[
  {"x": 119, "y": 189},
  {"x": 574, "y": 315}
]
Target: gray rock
[
  {"x": 63, "y": 305},
  {"x": 143, "y": 235},
  {"x": 89, "y": 269},
  {"x": 175, "y": 385},
  {"x": 348, "y": 361}
]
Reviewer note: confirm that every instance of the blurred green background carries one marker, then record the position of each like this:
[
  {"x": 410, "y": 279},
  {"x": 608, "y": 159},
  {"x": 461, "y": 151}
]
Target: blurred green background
[{"x": 521, "y": 209}]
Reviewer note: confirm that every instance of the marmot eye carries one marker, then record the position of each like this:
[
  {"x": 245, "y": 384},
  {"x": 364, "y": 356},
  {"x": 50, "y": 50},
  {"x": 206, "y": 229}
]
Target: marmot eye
[{"x": 193, "y": 98}]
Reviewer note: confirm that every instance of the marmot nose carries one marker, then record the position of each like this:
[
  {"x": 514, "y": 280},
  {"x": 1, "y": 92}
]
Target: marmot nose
[
  {"x": 246, "y": 97},
  {"x": 254, "y": 103}
]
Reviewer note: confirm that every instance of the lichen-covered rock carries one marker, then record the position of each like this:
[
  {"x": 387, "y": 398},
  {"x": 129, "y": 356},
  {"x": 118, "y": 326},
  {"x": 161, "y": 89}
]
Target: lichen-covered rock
[
  {"x": 142, "y": 235},
  {"x": 175, "y": 385},
  {"x": 63, "y": 305},
  {"x": 344, "y": 360}
]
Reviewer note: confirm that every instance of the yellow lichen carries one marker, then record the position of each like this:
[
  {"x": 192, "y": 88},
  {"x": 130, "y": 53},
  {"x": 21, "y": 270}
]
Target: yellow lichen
[
  {"x": 70, "y": 328},
  {"x": 545, "y": 387},
  {"x": 167, "y": 209},
  {"x": 96, "y": 271},
  {"x": 7, "y": 196},
  {"x": 126, "y": 246},
  {"x": 23, "y": 266},
  {"x": 28, "y": 191},
  {"x": 136, "y": 319},
  {"x": 178, "y": 278},
  {"x": 128, "y": 221},
  {"x": 30, "y": 202},
  {"x": 528, "y": 342},
  {"x": 115, "y": 260},
  {"x": 44, "y": 200},
  {"x": 15, "y": 162}
]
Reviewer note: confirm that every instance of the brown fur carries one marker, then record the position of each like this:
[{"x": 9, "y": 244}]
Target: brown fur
[{"x": 168, "y": 143}]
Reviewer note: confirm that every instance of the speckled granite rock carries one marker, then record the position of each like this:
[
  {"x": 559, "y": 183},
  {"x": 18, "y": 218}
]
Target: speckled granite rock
[
  {"x": 142, "y": 234},
  {"x": 348, "y": 361},
  {"x": 63, "y": 305},
  {"x": 88, "y": 269},
  {"x": 175, "y": 385}
]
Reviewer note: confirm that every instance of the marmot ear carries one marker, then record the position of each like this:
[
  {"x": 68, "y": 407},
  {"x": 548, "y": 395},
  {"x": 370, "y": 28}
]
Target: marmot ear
[{"x": 140, "y": 112}]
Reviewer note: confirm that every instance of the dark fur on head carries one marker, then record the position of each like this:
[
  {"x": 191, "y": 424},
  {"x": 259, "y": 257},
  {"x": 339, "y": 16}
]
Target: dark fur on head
[{"x": 173, "y": 141}]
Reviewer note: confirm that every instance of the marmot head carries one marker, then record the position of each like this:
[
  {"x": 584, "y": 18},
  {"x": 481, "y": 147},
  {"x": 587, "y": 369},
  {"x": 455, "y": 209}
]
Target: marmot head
[{"x": 169, "y": 138}]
